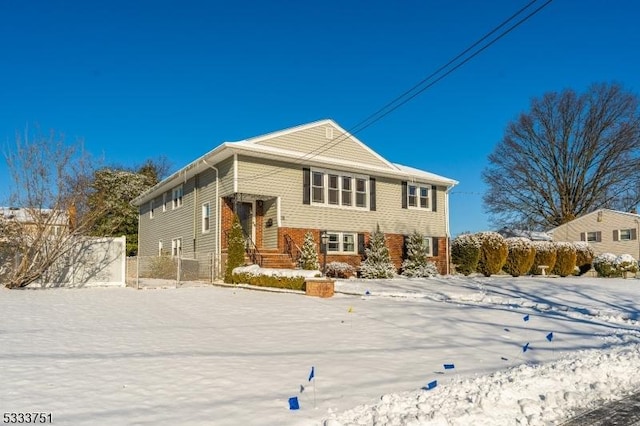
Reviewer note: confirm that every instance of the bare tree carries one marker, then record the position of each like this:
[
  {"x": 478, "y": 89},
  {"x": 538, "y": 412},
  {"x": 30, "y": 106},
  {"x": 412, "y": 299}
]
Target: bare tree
[
  {"x": 50, "y": 186},
  {"x": 569, "y": 155}
]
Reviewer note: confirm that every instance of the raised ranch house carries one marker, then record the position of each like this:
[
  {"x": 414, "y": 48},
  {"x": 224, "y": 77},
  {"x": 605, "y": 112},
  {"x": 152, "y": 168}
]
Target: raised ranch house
[
  {"x": 314, "y": 177},
  {"x": 606, "y": 231}
]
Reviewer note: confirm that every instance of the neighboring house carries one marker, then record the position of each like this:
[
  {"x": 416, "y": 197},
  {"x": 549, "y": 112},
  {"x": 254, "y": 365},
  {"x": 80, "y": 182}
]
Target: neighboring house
[
  {"x": 532, "y": 235},
  {"x": 55, "y": 220},
  {"x": 314, "y": 177},
  {"x": 606, "y": 231}
]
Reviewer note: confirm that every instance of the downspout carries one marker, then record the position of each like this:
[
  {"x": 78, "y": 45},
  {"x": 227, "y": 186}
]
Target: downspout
[
  {"x": 195, "y": 213},
  {"x": 446, "y": 227},
  {"x": 217, "y": 252}
]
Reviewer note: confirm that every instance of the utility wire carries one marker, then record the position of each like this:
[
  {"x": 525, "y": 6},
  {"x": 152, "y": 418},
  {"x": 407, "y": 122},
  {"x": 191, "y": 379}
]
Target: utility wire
[{"x": 419, "y": 87}]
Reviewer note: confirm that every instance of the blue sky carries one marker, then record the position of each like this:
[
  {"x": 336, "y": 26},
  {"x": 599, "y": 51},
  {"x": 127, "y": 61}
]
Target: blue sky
[{"x": 143, "y": 79}]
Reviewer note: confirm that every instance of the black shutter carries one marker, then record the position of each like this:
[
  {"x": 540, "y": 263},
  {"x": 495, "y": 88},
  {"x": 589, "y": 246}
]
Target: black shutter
[
  {"x": 634, "y": 234},
  {"x": 361, "y": 246},
  {"x": 405, "y": 241},
  {"x": 434, "y": 249},
  {"x": 434, "y": 198},
  {"x": 615, "y": 235},
  {"x": 583, "y": 236},
  {"x": 598, "y": 237},
  {"x": 404, "y": 194},
  {"x": 306, "y": 186},
  {"x": 372, "y": 194}
]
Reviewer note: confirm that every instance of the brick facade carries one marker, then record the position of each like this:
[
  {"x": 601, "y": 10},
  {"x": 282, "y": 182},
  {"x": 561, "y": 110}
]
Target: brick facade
[{"x": 395, "y": 242}]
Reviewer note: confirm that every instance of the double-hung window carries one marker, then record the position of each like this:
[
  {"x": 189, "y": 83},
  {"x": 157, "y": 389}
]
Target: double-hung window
[
  {"x": 625, "y": 235},
  {"x": 176, "y": 247},
  {"x": 339, "y": 189},
  {"x": 418, "y": 196},
  {"x": 592, "y": 237},
  {"x": 177, "y": 197},
  {"x": 206, "y": 216},
  {"x": 341, "y": 242}
]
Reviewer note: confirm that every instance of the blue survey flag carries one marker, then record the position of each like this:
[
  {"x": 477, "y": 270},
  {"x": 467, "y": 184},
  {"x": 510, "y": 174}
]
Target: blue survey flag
[
  {"x": 293, "y": 403},
  {"x": 526, "y": 318},
  {"x": 301, "y": 388},
  {"x": 367, "y": 292},
  {"x": 449, "y": 366},
  {"x": 550, "y": 336},
  {"x": 430, "y": 385},
  {"x": 525, "y": 347},
  {"x": 312, "y": 374}
]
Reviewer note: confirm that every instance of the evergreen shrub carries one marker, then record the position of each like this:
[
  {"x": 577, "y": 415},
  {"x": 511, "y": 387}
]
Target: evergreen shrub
[
  {"x": 309, "y": 255},
  {"x": 235, "y": 249},
  {"x": 584, "y": 257},
  {"x": 377, "y": 263},
  {"x": 545, "y": 255},
  {"x": 520, "y": 257},
  {"x": 626, "y": 263},
  {"x": 465, "y": 253},
  {"x": 493, "y": 253},
  {"x": 605, "y": 265},
  {"x": 416, "y": 263},
  {"x": 565, "y": 259},
  {"x": 290, "y": 283}
]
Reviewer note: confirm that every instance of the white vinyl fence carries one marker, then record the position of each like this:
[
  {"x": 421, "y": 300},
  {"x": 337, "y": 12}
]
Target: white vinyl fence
[{"x": 93, "y": 261}]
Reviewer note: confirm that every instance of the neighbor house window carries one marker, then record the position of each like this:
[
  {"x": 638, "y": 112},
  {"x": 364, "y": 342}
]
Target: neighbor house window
[
  {"x": 592, "y": 237},
  {"x": 151, "y": 209},
  {"x": 339, "y": 189},
  {"x": 625, "y": 235},
  {"x": 206, "y": 214},
  {"x": 176, "y": 247},
  {"x": 177, "y": 197},
  {"x": 341, "y": 242},
  {"x": 418, "y": 196}
]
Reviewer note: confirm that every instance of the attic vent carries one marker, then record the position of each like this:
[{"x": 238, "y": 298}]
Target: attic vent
[
  {"x": 600, "y": 216},
  {"x": 329, "y": 132}
]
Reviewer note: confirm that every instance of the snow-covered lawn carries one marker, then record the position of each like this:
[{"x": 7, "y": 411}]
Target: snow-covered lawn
[{"x": 234, "y": 356}]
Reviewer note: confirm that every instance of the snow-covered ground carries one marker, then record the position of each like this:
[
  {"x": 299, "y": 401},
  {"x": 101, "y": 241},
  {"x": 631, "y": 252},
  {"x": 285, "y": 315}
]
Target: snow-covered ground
[{"x": 234, "y": 356}]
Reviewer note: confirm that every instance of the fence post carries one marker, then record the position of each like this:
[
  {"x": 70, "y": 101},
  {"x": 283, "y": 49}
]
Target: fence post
[
  {"x": 178, "y": 270},
  {"x": 137, "y": 272}
]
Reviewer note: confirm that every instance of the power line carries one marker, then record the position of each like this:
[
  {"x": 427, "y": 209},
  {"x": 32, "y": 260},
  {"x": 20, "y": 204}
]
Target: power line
[{"x": 419, "y": 87}]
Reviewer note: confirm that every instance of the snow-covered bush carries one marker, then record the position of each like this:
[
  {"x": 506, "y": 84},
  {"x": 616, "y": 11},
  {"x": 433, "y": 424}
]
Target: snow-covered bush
[
  {"x": 545, "y": 255},
  {"x": 416, "y": 263},
  {"x": 565, "y": 259},
  {"x": 626, "y": 263},
  {"x": 339, "y": 270},
  {"x": 235, "y": 249},
  {"x": 493, "y": 253},
  {"x": 465, "y": 253},
  {"x": 605, "y": 265},
  {"x": 377, "y": 263},
  {"x": 308, "y": 253},
  {"x": 584, "y": 256},
  {"x": 520, "y": 257}
]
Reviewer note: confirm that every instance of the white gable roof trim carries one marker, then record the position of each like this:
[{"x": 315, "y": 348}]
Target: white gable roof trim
[{"x": 251, "y": 148}]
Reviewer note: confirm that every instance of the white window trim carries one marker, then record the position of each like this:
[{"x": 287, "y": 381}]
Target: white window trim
[
  {"x": 620, "y": 234},
  {"x": 177, "y": 200},
  {"x": 325, "y": 189},
  {"x": 418, "y": 187},
  {"x": 164, "y": 202},
  {"x": 176, "y": 243},
  {"x": 206, "y": 206},
  {"x": 430, "y": 240},
  {"x": 160, "y": 248},
  {"x": 341, "y": 243}
]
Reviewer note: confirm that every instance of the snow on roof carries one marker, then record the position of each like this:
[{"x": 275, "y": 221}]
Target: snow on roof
[{"x": 25, "y": 215}]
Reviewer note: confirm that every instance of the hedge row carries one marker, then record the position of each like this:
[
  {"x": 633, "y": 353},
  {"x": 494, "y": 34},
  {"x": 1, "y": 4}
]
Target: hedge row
[{"x": 489, "y": 253}]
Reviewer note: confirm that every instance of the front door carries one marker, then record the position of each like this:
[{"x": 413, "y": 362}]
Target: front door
[{"x": 245, "y": 214}]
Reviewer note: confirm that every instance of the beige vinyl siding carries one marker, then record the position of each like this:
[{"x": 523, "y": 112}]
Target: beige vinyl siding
[
  {"x": 270, "y": 234},
  {"x": 285, "y": 180},
  {"x": 314, "y": 138},
  {"x": 608, "y": 222},
  {"x": 206, "y": 241},
  {"x": 168, "y": 225},
  {"x": 226, "y": 176}
]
